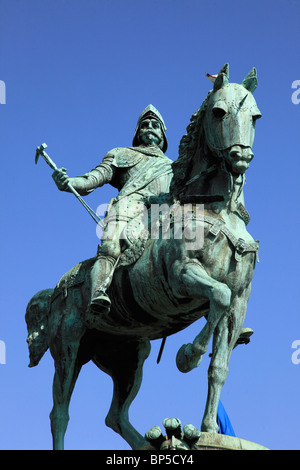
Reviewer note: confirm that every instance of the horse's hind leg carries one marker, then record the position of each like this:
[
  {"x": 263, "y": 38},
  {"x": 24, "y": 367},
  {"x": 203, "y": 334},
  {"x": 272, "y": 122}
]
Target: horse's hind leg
[
  {"x": 67, "y": 368},
  {"x": 124, "y": 364},
  {"x": 225, "y": 336}
]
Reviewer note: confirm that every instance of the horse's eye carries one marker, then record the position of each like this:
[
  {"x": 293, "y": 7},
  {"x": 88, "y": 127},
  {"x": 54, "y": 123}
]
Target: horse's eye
[{"x": 219, "y": 110}]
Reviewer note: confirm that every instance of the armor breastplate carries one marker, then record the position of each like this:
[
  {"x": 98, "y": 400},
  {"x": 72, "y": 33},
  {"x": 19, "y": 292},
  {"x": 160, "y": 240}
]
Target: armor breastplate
[{"x": 137, "y": 178}]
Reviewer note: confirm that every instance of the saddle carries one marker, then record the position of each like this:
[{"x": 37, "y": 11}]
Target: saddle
[
  {"x": 135, "y": 236},
  {"x": 72, "y": 278}
]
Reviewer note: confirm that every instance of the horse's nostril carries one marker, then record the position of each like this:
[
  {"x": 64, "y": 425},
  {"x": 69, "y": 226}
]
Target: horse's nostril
[
  {"x": 235, "y": 154},
  {"x": 239, "y": 153}
]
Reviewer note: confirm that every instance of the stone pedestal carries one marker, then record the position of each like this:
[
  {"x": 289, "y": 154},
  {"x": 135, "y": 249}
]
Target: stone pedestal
[
  {"x": 191, "y": 438},
  {"x": 212, "y": 441}
]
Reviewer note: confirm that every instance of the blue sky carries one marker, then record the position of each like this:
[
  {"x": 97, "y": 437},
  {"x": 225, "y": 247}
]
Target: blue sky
[{"x": 77, "y": 75}]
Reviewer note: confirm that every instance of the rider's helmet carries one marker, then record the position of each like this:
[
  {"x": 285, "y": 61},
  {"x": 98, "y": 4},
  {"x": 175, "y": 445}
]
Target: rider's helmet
[{"x": 149, "y": 111}]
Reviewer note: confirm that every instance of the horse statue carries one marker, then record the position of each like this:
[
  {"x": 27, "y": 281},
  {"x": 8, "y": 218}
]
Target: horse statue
[{"x": 165, "y": 283}]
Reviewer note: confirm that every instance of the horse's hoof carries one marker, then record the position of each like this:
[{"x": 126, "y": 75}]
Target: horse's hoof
[
  {"x": 209, "y": 425},
  {"x": 186, "y": 359}
]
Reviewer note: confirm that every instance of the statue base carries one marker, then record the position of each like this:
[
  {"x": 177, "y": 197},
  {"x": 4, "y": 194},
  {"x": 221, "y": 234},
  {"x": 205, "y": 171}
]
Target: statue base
[
  {"x": 213, "y": 441},
  {"x": 191, "y": 438}
]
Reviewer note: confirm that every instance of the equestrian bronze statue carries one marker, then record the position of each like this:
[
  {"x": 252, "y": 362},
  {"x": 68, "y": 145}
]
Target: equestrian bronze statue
[{"x": 155, "y": 275}]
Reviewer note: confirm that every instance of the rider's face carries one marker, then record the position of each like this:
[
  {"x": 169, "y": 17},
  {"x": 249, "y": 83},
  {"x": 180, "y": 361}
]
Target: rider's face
[{"x": 150, "y": 132}]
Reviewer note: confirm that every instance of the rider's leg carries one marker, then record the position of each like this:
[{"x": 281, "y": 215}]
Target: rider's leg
[
  {"x": 100, "y": 281},
  {"x": 103, "y": 268}
]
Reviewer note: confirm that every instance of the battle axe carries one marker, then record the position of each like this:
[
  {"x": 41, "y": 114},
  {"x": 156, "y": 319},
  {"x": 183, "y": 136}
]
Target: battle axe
[{"x": 41, "y": 151}]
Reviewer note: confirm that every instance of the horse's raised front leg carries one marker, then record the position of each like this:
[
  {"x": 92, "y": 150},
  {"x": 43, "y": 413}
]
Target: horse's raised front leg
[
  {"x": 225, "y": 337},
  {"x": 123, "y": 361},
  {"x": 192, "y": 281}
]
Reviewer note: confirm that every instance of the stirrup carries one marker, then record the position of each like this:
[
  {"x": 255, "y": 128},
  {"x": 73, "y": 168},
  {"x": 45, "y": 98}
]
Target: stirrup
[{"x": 101, "y": 303}]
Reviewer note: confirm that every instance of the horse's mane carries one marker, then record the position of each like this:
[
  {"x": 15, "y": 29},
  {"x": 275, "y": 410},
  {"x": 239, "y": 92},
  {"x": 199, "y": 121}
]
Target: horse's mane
[{"x": 187, "y": 148}]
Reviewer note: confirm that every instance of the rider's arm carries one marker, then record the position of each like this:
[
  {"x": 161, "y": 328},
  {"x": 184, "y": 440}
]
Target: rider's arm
[
  {"x": 96, "y": 178},
  {"x": 86, "y": 183}
]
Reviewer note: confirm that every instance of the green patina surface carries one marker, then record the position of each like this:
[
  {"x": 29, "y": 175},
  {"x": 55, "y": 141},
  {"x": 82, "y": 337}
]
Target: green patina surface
[{"x": 135, "y": 289}]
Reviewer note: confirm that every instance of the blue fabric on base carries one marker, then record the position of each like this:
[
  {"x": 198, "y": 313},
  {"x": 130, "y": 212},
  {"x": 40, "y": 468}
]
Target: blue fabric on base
[{"x": 225, "y": 426}]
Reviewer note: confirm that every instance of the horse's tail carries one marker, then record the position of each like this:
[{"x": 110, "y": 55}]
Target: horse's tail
[{"x": 37, "y": 325}]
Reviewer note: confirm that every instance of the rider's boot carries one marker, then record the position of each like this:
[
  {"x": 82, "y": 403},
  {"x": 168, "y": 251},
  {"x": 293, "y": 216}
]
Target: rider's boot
[{"x": 101, "y": 277}]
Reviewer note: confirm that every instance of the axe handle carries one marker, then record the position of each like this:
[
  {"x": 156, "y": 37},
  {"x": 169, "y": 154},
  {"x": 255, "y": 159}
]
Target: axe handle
[
  {"x": 86, "y": 206},
  {"x": 93, "y": 214},
  {"x": 48, "y": 160}
]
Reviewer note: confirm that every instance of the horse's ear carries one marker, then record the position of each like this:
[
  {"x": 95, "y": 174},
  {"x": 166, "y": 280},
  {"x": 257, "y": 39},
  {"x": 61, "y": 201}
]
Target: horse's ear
[
  {"x": 250, "y": 81},
  {"x": 222, "y": 78}
]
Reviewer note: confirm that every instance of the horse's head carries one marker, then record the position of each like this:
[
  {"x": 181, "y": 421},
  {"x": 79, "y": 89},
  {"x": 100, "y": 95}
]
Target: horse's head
[
  {"x": 37, "y": 325},
  {"x": 221, "y": 133},
  {"x": 229, "y": 120}
]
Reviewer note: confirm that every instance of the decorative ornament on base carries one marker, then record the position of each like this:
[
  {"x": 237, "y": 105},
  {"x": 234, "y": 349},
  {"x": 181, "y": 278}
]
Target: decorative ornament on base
[{"x": 190, "y": 438}]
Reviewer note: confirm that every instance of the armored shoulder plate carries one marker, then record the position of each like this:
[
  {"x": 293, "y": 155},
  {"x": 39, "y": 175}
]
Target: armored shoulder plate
[{"x": 124, "y": 157}]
